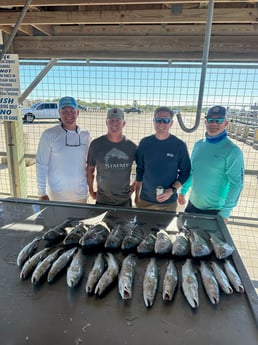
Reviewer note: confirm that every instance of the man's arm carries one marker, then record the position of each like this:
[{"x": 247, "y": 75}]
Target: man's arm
[
  {"x": 235, "y": 175},
  {"x": 137, "y": 188},
  {"x": 90, "y": 170},
  {"x": 42, "y": 161}
]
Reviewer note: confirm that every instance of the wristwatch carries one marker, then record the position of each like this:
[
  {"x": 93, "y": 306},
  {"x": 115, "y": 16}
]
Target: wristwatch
[{"x": 174, "y": 189}]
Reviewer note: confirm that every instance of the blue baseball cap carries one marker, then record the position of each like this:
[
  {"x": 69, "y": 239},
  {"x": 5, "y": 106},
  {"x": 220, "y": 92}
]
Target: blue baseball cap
[
  {"x": 217, "y": 110},
  {"x": 68, "y": 102}
]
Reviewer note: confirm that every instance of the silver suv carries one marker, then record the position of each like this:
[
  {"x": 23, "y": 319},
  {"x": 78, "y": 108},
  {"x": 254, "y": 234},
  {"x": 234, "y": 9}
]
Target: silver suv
[{"x": 46, "y": 110}]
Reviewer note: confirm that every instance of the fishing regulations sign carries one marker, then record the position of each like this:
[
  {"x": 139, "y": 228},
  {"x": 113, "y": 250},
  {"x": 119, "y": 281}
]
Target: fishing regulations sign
[{"x": 9, "y": 87}]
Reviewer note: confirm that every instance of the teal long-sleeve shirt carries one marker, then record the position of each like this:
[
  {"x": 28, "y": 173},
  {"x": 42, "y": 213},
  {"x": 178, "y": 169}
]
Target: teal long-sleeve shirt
[{"x": 216, "y": 178}]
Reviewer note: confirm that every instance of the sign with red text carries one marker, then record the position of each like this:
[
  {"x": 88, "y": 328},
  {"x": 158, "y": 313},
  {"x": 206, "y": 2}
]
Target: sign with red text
[{"x": 9, "y": 87}]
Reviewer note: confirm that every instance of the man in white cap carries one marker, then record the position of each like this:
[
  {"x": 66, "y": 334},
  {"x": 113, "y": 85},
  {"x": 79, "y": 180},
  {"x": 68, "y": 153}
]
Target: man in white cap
[
  {"x": 217, "y": 171},
  {"x": 111, "y": 156},
  {"x": 61, "y": 157}
]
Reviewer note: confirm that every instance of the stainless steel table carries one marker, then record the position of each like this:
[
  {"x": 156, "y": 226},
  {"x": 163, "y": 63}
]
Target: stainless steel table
[{"x": 56, "y": 314}]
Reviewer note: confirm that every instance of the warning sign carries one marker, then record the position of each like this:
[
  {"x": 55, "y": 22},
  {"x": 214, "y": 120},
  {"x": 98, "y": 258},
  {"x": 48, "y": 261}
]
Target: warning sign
[{"x": 9, "y": 87}]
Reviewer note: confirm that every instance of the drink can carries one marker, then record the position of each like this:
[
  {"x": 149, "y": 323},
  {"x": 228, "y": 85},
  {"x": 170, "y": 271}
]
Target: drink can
[{"x": 159, "y": 190}]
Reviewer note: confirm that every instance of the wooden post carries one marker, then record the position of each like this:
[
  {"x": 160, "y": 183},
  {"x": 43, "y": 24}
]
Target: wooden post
[
  {"x": 245, "y": 133},
  {"x": 15, "y": 158},
  {"x": 255, "y": 143}
]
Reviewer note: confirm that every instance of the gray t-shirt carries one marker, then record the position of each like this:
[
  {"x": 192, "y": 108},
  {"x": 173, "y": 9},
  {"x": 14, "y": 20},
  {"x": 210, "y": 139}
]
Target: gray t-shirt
[{"x": 113, "y": 162}]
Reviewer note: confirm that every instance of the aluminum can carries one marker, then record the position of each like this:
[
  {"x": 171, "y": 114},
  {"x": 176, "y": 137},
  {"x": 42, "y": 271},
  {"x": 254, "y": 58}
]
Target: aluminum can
[{"x": 159, "y": 190}]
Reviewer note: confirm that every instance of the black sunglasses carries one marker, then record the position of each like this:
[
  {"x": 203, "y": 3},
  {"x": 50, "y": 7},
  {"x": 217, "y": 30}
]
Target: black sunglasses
[
  {"x": 165, "y": 120},
  {"x": 71, "y": 139}
]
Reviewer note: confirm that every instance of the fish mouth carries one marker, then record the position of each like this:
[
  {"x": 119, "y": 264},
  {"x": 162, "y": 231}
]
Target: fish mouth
[
  {"x": 194, "y": 303},
  {"x": 148, "y": 302},
  {"x": 127, "y": 294}
]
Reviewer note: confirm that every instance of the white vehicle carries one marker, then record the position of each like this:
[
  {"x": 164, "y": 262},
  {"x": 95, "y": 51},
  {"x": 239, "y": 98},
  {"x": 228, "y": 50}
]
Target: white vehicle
[{"x": 40, "y": 111}]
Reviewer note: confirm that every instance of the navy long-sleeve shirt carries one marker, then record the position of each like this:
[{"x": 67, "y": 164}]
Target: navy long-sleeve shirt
[{"x": 161, "y": 163}]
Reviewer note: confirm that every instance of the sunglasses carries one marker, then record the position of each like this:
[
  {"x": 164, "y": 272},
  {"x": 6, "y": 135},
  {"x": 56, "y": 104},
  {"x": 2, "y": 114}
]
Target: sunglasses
[
  {"x": 72, "y": 139},
  {"x": 218, "y": 120},
  {"x": 165, "y": 120}
]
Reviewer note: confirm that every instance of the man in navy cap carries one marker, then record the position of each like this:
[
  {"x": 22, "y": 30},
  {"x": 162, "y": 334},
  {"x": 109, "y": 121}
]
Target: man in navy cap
[
  {"x": 217, "y": 169},
  {"x": 61, "y": 157}
]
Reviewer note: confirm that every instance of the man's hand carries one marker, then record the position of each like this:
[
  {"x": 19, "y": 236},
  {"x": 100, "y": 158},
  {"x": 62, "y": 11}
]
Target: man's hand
[
  {"x": 181, "y": 199},
  {"x": 93, "y": 195},
  {"x": 44, "y": 197},
  {"x": 165, "y": 195}
]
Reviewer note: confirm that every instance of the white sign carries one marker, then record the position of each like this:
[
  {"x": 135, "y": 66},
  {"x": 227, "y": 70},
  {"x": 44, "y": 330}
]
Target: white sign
[{"x": 9, "y": 87}]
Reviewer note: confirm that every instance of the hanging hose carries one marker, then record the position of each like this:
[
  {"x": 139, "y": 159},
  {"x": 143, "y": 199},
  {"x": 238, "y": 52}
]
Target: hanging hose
[{"x": 203, "y": 72}]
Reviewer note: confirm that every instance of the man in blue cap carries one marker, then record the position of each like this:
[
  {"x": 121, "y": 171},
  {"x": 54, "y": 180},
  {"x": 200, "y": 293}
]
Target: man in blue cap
[
  {"x": 61, "y": 157},
  {"x": 217, "y": 169}
]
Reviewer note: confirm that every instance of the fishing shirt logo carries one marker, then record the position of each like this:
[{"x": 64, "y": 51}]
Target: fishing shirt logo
[{"x": 116, "y": 159}]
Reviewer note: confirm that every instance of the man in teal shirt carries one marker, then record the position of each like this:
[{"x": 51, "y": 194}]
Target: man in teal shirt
[{"x": 217, "y": 171}]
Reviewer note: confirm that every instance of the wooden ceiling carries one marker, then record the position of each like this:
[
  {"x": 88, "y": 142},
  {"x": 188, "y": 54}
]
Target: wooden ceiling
[{"x": 131, "y": 30}]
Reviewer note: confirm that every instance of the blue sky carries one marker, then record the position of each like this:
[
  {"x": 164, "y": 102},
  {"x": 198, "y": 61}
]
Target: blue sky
[{"x": 148, "y": 83}]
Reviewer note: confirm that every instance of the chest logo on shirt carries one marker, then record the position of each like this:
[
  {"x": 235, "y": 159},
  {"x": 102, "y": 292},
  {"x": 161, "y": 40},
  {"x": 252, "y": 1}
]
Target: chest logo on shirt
[
  {"x": 170, "y": 154},
  {"x": 116, "y": 159}
]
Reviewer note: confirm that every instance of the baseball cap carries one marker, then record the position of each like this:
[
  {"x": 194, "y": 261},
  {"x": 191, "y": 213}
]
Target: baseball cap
[
  {"x": 217, "y": 110},
  {"x": 68, "y": 102},
  {"x": 115, "y": 112}
]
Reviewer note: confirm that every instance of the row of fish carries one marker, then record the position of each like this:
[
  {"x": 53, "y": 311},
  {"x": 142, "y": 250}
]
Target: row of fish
[
  {"x": 130, "y": 237},
  {"x": 50, "y": 262}
]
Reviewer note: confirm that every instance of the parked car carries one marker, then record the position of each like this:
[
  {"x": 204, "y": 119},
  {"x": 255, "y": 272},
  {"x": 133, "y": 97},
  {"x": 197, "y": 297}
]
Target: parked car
[
  {"x": 82, "y": 107},
  {"x": 133, "y": 110},
  {"x": 39, "y": 111}
]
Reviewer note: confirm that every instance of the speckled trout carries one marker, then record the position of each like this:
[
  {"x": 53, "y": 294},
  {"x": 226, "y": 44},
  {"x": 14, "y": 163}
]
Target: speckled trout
[
  {"x": 150, "y": 282},
  {"x": 126, "y": 277},
  {"x": 190, "y": 284}
]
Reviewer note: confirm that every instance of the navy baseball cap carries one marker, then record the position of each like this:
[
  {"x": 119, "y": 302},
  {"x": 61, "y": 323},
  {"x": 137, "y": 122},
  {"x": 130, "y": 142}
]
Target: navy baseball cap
[
  {"x": 217, "y": 110},
  {"x": 68, "y": 102}
]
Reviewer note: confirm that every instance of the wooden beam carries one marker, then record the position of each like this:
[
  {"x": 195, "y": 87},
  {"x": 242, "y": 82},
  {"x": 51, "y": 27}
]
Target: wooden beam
[
  {"x": 20, "y": 3},
  {"x": 227, "y": 48},
  {"x": 221, "y": 15},
  {"x": 45, "y": 29},
  {"x": 154, "y": 30}
]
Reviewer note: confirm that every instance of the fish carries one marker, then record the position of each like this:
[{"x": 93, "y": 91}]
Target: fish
[
  {"x": 76, "y": 269},
  {"x": 150, "y": 282},
  {"x": 43, "y": 266},
  {"x": 95, "y": 236},
  {"x": 163, "y": 244},
  {"x": 134, "y": 235},
  {"x": 190, "y": 284},
  {"x": 115, "y": 237},
  {"x": 27, "y": 251},
  {"x": 126, "y": 276},
  {"x": 199, "y": 245},
  {"x": 233, "y": 276},
  {"x": 170, "y": 281},
  {"x": 209, "y": 282},
  {"x": 181, "y": 244},
  {"x": 96, "y": 272},
  {"x": 146, "y": 246},
  {"x": 60, "y": 263},
  {"x": 108, "y": 276},
  {"x": 58, "y": 232},
  {"x": 94, "y": 220},
  {"x": 74, "y": 236},
  {"x": 32, "y": 262},
  {"x": 221, "y": 277},
  {"x": 221, "y": 248}
]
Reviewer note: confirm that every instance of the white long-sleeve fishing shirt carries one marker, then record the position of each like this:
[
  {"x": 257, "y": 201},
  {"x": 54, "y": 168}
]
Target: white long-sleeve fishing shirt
[{"x": 61, "y": 169}]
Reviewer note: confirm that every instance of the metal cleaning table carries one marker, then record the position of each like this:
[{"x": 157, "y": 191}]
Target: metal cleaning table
[{"x": 56, "y": 314}]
